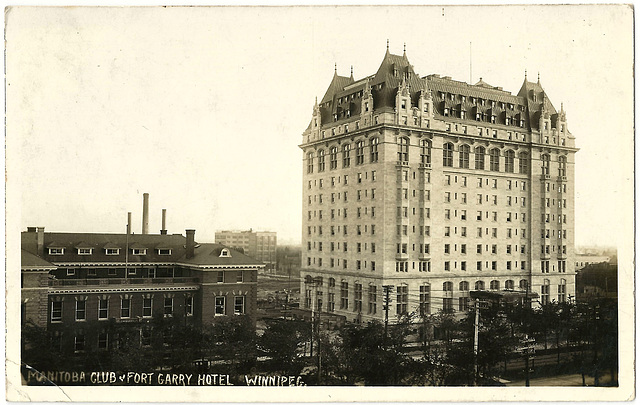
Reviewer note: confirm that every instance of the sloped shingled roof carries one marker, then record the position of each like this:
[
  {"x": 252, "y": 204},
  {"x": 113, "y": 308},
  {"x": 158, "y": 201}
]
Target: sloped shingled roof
[
  {"x": 204, "y": 254},
  {"x": 29, "y": 260}
]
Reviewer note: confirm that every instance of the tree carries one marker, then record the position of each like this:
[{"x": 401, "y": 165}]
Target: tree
[{"x": 282, "y": 341}]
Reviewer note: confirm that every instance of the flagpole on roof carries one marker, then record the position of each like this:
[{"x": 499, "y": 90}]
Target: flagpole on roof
[{"x": 126, "y": 255}]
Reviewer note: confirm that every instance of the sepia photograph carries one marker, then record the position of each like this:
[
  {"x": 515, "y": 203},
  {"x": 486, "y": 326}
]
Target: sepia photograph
[{"x": 367, "y": 203}]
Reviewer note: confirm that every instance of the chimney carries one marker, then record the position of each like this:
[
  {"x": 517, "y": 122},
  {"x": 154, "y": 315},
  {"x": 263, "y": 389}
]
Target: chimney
[
  {"x": 128, "y": 223},
  {"x": 145, "y": 213},
  {"x": 40, "y": 240},
  {"x": 191, "y": 244},
  {"x": 163, "y": 231}
]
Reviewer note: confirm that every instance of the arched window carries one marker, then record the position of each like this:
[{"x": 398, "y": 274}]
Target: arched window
[
  {"x": 447, "y": 154},
  {"x": 464, "y": 156},
  {"x": 403, "y": 149},
  {"x": 523, "y": 285},
  {"x": 494, "y": 285},
  {"x": 308, "y": 279},
  {"x": 479, "y": 285},
  {"x": 480, "y": 158},
  {"x": 494, "y": 160},
  {"x": 346, "y": 155},
  {"x": 562, "y": 290},
  {"x": 545, "y": 164},
  {"x": 373, "y": 143},
  {"x": 523, "y": 162},
  {"x": 333, "y": 158},
  {"x": 310, "y": 162},
  {"x": 321, "y": 160},
  {"x": 508, "y": 285},
  {"x": 544, "y": 292},
  {"x": 359, "y": 152},
  {"x": 447, "y": 286},
  {"x": 562, "y": 166},
  {"x": 425, "y": 151},
  {"x": 463, "y": 286},
  {"x": 509, "y": 157}
]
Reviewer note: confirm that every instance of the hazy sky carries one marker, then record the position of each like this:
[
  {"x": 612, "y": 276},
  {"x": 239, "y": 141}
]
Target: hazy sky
[{"x": 204, "y": 108}]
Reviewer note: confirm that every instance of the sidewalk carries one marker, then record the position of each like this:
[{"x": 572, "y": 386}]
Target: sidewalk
[{"x": 569, "y": 380}]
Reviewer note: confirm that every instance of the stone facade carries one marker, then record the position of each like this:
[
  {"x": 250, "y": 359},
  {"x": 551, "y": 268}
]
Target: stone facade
[{"x": 433, "y": 187}]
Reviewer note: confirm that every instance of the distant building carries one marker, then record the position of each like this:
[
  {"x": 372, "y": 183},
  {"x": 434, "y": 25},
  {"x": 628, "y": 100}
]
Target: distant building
[
  {"x": 584, "y": 259},
  {"x": 421, "y": 189},
  {"x": 259, "y": 245},
  {"x": 77, "y": 284}
]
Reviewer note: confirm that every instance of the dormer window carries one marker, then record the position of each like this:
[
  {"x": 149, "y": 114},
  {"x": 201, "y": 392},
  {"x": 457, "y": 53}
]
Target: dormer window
[
  {"x": 404, "y": 104},
  {"x": 85, "y": 251},
  {"x": 139, "y": 251},
  {"x": 112, "y": 251},
  {"x": 446, "y": 111},
  {"x": 426, "y": 107},
  {"x": 225, "y": 253},
  {"x": 164, "y": 252},
  {"x": 366, "y": 106},
  {"x": 463, "y": 99},
  {"x": 56, "y": 251},
  {"x": 452, "y": 97}
]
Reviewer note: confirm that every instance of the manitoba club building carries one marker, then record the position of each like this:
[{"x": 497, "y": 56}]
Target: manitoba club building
[{"x": 433, "y": 187}]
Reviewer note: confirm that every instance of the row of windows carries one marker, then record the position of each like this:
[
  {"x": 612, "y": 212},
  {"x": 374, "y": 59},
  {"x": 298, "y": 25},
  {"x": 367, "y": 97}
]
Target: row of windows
[
  {"x": 548, "y": 249},
  {"x": 338, "y": 179},
  {"x": 342, "y": 263},
  {"x": 57, "y": 251},
  {"x": 403, "y": 230},
  {"x": 346, "y": 155},
  {"x": 335, "y": 246},
  {"x": 550, "y": 233},
  {"x": 360, "y": 194},
  {"x": 359, "y": 213},
  {"x": 343, "y": 230},
  {"x": 125, "y": 308},
  {"x": 492, "y": 183},
  {"x": 562, "y": 266},
  {"x": 403, "y": 265}
]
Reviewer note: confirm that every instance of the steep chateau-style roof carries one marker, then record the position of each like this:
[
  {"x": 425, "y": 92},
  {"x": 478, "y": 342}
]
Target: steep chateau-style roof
[
  {"x": 204, "y": 254},
  {"x": 343, "y": 98}
]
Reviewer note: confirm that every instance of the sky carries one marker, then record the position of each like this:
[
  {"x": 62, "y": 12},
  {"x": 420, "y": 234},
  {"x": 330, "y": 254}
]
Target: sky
[{"x": 204, "y": 108}]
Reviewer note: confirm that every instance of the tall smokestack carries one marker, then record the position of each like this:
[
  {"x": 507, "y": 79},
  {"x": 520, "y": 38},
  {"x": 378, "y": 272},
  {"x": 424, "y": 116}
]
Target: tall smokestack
[
  {"x": 163, "y": 231},
  {"x": 145, "y": 213},
  {"x": 191, "y": 243},
  {"x": 128, "y": 223}
]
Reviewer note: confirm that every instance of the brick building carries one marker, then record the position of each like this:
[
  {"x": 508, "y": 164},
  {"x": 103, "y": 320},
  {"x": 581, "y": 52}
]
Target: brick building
[
  {"x": 433, "y": 187},
  {"x": 74, "y": 284},
  {"x": 260, "y": 245}
]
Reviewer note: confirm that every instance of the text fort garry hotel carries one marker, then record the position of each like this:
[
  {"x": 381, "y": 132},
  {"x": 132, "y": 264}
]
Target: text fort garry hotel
[{"x": 433, "y": 187}]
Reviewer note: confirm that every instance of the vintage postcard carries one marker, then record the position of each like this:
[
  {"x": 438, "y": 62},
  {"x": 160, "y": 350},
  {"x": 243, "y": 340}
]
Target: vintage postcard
[{"x": 320, "y": 203}]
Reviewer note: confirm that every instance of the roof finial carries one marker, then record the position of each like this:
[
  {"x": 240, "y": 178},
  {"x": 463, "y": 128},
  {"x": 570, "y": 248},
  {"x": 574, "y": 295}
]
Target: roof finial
[
  {"x": 335, "y": 67},
  {"x": 404, "y": 47},
  {"x": 538, "y": 77},
  {"x": 352, "y": 71},
  {"x": 525, "y": 74},
  {"x": 387, "y": 45}
]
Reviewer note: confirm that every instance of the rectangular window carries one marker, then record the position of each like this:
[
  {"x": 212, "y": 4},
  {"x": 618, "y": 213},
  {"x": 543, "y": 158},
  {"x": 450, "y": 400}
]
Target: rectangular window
[
  {"x": 103, "y": 309},
  {"x": 103, "y": 340},
  {"x": 125, "y": 308},
  {"x": 56, "y": 311},
  {"x": 84, "y": 251},
  {"x": 220, "y": 277},
  {"x": 220, "y": 306},
  {"x": 79, "y": 343},
  {"x": 238, "y": 305},
  {"x": 146, "y": 307},
  {"x": 81, "y": 310}
]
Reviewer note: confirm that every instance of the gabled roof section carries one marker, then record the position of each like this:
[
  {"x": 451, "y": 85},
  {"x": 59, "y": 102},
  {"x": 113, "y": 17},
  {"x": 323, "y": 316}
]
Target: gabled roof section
[
  {"x": 208, "y": 254},
  {"x": 391, "y": 73},
  {"x": 338, "y": 83},
  {"x": 84, "y": 244},
  {"x": 29, "y": 260}
]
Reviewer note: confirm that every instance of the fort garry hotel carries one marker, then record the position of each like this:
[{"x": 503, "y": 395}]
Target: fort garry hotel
[{"x": 433, "y": 187}]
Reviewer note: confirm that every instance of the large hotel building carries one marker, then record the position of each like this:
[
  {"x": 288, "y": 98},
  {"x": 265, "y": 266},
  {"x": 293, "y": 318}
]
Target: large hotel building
[{"x": 428, "y": 188}]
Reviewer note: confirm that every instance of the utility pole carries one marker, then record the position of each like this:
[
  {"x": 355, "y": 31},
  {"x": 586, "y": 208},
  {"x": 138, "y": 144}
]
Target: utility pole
[
  {"x": 387, "y": 301},
  {"x": 475, "y": 341}
]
